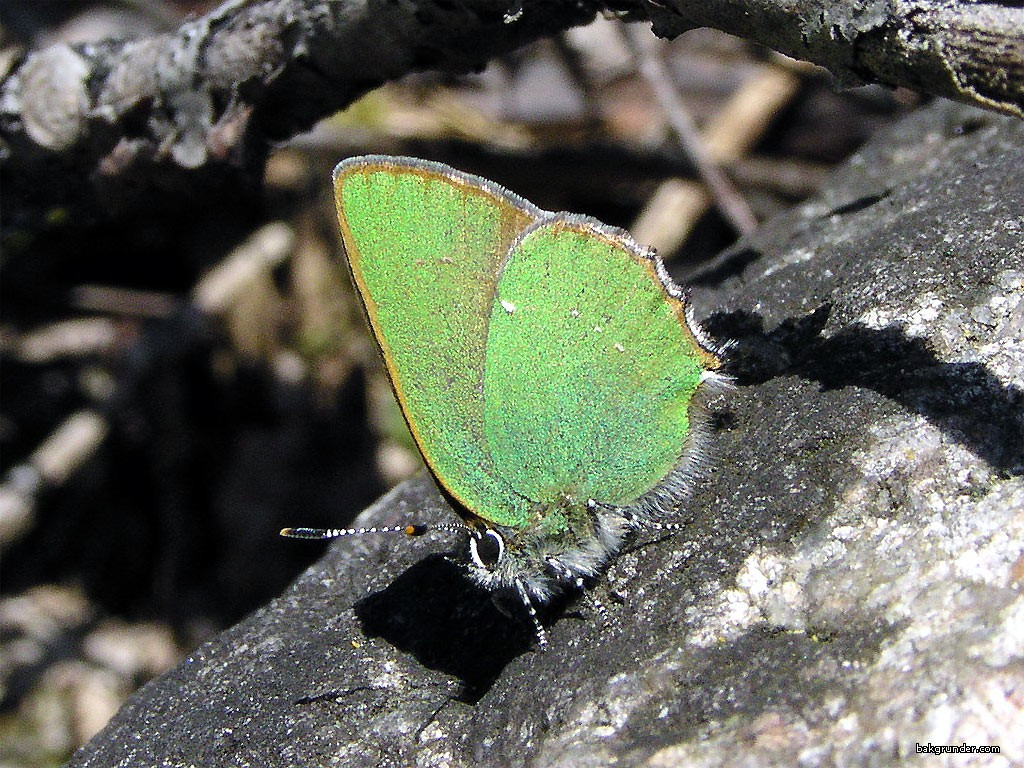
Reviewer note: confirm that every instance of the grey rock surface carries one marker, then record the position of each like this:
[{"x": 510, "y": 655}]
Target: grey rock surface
[{"x": 849, "y": 584}]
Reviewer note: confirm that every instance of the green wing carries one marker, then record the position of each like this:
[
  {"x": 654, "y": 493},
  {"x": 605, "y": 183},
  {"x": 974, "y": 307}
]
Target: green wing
[
  {"x": 425, "y": 244},
  {"x": 590, "y": 366}
]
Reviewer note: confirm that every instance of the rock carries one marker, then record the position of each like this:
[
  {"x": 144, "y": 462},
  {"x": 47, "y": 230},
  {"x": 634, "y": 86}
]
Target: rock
[{"x": 848, "y": 588}]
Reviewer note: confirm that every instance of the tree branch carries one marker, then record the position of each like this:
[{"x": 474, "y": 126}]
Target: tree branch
[
  {"x": 203, "y": 102},
  {"x": 971, "y": 52},
  {"x": 102, "y": 126}
]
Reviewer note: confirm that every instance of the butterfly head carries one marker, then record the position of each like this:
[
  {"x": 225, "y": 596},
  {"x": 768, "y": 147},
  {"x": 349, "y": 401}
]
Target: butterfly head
[{"x": 560, "y": 545}]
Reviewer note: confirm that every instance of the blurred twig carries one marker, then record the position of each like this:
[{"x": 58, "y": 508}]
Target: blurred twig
[
  {"x": 264, "y": 250},
  {"x": 57, "y": 458},
  {"x": 675, "y": 207},
  {"x": 69, "y": 338},
  {"x": 729, "y": 201},
  {"x": 118, "y": 300},
  {"x": 73, "y": 442}
]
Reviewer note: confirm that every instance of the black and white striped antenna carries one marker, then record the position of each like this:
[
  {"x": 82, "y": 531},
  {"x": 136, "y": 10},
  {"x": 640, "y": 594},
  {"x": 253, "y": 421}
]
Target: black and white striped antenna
[{"x": 410, "y": 529}]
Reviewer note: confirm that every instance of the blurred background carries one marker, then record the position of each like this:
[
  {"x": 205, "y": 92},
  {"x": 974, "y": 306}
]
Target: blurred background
[{"x": 177, "y": 386}]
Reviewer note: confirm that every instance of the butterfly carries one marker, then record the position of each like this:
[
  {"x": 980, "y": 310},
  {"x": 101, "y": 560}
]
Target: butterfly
[{"x": 546, "y": 364}]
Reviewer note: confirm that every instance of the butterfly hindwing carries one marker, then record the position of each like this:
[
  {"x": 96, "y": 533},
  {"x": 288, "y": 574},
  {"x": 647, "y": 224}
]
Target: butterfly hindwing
[{"x": 590, "y": 366}]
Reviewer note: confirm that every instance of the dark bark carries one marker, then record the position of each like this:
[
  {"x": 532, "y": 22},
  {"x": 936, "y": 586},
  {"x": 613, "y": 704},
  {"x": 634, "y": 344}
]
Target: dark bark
[{"x": 971, "y": 52}]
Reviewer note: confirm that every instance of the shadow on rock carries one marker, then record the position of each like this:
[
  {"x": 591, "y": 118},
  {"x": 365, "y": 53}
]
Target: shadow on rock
[
  {"x": 435, "y": 613},
  {"x": 965, "y": 400}
]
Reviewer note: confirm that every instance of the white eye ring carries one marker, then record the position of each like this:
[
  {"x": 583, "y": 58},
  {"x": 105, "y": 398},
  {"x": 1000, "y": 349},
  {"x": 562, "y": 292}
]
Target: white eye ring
[{"x": 493, "y": 557}]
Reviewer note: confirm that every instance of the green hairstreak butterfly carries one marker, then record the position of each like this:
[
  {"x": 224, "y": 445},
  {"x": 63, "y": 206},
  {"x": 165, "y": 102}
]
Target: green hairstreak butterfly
[{"x": 545, "y": 362}]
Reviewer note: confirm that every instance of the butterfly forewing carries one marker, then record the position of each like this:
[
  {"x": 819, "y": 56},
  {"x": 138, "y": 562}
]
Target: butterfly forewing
[{"x": 425, "y": 244}]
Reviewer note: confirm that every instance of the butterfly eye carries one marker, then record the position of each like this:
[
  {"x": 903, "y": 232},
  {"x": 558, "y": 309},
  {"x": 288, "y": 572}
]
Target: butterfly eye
[{"x": 487, "y": 549}]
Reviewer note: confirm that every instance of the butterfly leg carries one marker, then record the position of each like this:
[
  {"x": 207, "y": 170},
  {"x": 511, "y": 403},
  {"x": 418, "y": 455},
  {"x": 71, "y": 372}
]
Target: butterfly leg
[
  {"x": 566, "y": 575},
  {"x": 538, "y": 628},
  {"x": 606, "y": 618},
  {"x": 632, "y": 520}
]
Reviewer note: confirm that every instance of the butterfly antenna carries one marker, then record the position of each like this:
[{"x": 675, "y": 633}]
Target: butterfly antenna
[
  {"x": 412, "y": 529},
  {"x": 538, "y": 629}
]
